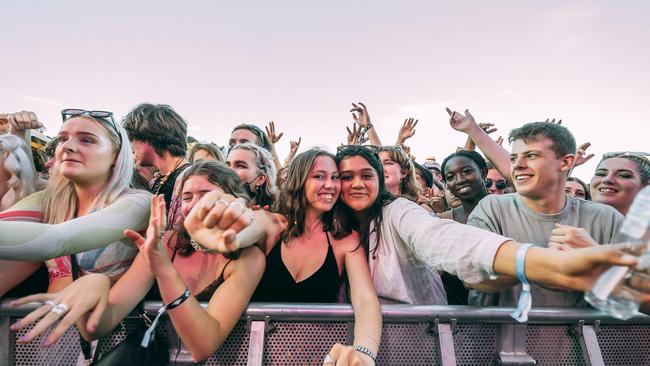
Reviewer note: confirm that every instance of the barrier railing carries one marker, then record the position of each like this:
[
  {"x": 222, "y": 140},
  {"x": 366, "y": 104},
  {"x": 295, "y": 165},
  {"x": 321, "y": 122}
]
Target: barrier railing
[{"x": 299, "y": 334}]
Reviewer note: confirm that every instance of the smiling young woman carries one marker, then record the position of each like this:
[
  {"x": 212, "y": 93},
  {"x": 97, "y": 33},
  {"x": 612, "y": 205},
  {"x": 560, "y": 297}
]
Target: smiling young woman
[{"x": 619, "y": 177}]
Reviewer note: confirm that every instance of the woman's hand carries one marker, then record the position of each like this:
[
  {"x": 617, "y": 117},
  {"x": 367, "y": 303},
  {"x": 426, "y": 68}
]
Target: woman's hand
[
  {"x": 216, "y": 219},
  {"x": 88, "y": 293},
  {"x": 341, "y": 355},
  {"x": 152, "y": 248},
  {"x": 461, "y": 122}
]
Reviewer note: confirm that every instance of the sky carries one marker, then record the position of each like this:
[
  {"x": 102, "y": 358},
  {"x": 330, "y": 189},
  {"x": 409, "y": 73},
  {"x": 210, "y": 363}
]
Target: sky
[{"x": 302, "y": 63}]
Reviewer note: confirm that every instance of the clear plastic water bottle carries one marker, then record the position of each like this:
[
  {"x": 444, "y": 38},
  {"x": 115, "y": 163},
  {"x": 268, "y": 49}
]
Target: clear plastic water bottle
[{"x": 618, "y": 291}]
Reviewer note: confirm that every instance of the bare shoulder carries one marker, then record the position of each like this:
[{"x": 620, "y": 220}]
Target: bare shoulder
[{"x": 348, "y": 243}]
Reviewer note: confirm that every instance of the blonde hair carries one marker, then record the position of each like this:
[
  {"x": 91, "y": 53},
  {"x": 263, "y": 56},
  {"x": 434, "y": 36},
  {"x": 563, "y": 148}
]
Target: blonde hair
[
  {"x": 60, "y": 199},
  {"x": 264, "y": 163},
  {"x": 408, "y": 186},
  {"x": 15, "y": 161}
]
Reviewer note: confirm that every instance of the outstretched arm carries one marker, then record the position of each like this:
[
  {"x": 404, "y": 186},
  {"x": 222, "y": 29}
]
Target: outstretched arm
[
  {"x": 493, "y": 151},
  {"x": 28, "y": 241}
]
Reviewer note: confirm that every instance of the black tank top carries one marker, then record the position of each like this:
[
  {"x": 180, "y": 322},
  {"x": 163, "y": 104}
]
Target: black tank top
[
  {"x": 204, "y": 295},
  {"x": 277, "y": 284}
]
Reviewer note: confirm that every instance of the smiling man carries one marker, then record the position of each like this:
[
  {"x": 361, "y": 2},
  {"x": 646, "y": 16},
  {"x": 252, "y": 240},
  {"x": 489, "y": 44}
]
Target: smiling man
[{"x": 543, "y": 154}]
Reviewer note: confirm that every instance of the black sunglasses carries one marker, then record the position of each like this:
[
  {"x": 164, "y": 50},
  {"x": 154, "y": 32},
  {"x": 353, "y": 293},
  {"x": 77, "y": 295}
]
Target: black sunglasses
[
  {"x": 500, "y": 184},
  {"x": 103, "y": 115},
  {"x": 345, "y": 150}
]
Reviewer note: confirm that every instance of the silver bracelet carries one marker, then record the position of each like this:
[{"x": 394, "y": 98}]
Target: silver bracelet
[{"x": 366, "y": 352}]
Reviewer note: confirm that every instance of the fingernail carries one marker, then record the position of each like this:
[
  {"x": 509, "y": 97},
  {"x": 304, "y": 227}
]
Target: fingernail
[
  {"x": 629, "y": 258},
  {"x": 24, "y": 339},
  {"x": 45, "y": 343},
  {"x": 15, "y": 325}
]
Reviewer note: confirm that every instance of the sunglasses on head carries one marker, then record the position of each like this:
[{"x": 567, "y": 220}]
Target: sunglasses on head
[
  {"x": 345, "y": 150},
  {"x": 500, "y": 184},
  {"x": 103, "y": 115}
]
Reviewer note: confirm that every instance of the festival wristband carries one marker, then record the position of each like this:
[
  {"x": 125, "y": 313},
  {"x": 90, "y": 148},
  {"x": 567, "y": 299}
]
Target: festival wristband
[
  {"x": 525, "y": 298},
  {"x": 150, "y": 334}
]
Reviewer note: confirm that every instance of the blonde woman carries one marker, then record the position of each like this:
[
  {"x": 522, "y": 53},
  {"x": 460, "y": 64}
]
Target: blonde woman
[
  {"x": 255, "y": 167},
  {"x": 85, "y": 209}
]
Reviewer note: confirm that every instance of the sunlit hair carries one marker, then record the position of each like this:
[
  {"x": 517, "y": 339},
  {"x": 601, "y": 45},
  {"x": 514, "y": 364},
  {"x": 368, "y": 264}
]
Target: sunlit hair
[
  {"x": 563, "y": 141},
  {"x": 60, "y": 198},
  {"x": 584, "y": 185},
  {"x": 262, "y": 138},
  {"x": 218, "y": 174},
  {"x": 212, "y": 149},
  {"x": 408, "y": 186},
  {"x": 265, "y": 194},
  {"x": 16, "y": 163},
  {"x": 159, "y": 125},
  {"x": 292, "y": 203}
]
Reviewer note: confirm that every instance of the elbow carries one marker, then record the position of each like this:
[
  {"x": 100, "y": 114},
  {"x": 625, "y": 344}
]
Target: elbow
[{"x": 201, "y": 353}]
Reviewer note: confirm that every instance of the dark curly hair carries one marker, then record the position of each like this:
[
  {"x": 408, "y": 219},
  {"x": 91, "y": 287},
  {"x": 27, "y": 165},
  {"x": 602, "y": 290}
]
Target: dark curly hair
[{"x": 158, "y": 125}]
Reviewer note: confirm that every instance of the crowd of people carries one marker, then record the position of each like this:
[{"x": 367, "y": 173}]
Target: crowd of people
[{"x": 107, "y": 213}]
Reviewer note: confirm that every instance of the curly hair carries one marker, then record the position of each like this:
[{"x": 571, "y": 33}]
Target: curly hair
[
  {"x": 16, "y": 163},
  {"x": 408, "y": 186}
]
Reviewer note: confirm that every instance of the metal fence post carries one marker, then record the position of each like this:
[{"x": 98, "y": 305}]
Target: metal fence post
[
  {"x": 7, "y": 356},
  {"x": 589, "y": 344},
  {"x": 256, "y": 342},
  {"x": 511, "y": 345}
]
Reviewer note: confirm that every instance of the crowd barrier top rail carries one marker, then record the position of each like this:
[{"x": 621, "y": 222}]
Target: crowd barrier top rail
[
  {"x": 394, "y": 313},
  {"x": 301, "y": 334}
]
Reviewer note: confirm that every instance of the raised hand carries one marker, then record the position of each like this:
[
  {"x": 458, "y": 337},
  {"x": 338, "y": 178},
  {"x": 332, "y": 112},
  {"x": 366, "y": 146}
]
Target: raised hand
[
  {"x": 152, "y": 247},
  {"x": 270, "y": 131},
  {"x": 354, "y": 136},
  {"x": 406, "y": 131},
  {"x": 87, "y": 293},
  {"x": 360, "y": 114},
  {"x": 559, "y": 121},
  {"x": 581, "y": 156},
  {"x": 20, "y": 122},
  {"x": 216, "y": 219},
  {"x": 294, "y": 145},
  {"x": 499, "y": 140},
  {"x": 461, "y": 122},
  {"x": 487, "y": 127}
]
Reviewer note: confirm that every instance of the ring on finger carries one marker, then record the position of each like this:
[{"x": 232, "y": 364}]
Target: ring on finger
[
  {"x": 60, "y": 309},
  {"x": 328, "y": 360},
  {"x": 224, "y": 203},
  {"x": 49, "y": 302},
  {"x": 237, "y": 203}
]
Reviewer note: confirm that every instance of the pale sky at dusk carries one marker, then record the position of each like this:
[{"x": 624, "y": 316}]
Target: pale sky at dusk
[{"x": 302, "y": 63}]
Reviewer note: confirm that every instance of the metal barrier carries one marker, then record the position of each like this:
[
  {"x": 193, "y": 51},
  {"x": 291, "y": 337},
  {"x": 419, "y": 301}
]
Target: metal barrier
[{"x": 291, "y": 334}]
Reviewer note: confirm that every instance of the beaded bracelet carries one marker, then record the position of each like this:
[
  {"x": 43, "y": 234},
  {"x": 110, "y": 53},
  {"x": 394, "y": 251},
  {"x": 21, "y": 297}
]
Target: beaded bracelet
[{"x": 366, "y": 352}]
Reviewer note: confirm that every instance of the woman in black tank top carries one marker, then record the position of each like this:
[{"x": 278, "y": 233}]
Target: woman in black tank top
[
  {"x": 226, "y": 282},
  {"x": 317, "y": 249}
]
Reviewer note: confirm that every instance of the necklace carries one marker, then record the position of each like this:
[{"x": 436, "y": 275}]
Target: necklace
[{"x": 165, "y": 177}]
